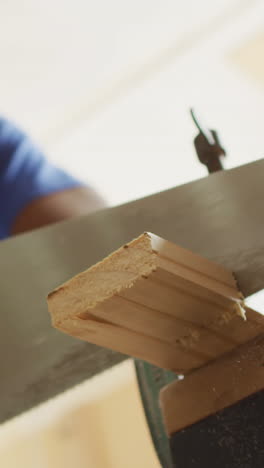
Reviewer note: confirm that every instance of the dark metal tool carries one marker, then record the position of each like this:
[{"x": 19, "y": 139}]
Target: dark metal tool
[
  {"x": 208, "y": 147},
  {"x": 151, "y": 380}
]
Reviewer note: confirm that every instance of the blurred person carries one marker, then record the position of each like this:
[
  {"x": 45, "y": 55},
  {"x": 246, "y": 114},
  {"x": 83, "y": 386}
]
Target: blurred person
[{"x": 33, "y": 192}]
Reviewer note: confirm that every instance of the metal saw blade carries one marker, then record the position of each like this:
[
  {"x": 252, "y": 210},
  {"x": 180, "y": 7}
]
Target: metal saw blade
[{"x": 220, "y": 217}]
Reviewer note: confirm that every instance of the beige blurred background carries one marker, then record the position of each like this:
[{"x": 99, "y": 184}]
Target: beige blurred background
[
  {"x": 98, "y": 424},
  {"x": 105, "y": 88}
]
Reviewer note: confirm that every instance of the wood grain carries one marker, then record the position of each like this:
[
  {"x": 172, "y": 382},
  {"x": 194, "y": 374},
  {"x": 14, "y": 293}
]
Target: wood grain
[{"x": 156, "y": 301}]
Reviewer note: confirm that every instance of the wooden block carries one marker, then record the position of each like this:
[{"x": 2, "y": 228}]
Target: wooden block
[
  {"x": 156, "y": 301},
  {"x": 216, "y": 386},
  {"x": 214, "y": 416}
]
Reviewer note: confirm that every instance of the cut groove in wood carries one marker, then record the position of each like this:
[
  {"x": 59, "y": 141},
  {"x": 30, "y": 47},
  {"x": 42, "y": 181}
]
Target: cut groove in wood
[{"x": 157, "y": 301}]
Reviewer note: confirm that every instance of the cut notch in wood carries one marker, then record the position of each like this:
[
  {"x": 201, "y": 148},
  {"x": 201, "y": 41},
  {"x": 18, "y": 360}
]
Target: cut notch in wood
[{"x": 154, "y": 300}]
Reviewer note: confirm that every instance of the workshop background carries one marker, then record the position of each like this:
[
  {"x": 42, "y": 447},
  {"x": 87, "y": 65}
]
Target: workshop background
[{"x": 105, "y": 87}]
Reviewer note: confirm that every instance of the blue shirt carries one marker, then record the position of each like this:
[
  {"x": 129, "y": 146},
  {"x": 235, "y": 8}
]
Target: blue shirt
[{"x": 25, "y": 174}]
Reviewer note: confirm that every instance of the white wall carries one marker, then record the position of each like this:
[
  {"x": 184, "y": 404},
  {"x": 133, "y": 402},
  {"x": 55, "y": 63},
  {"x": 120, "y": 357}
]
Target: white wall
[{"x": 106, "y": 86}]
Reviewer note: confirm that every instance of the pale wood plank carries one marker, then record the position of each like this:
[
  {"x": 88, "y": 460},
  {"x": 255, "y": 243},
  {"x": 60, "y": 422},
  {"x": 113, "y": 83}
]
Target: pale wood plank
[
  {"x": 214, "y": 387},
  {"x": 155, "y": 307}
]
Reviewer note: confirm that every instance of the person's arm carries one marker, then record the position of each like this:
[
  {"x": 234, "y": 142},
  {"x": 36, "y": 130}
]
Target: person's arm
[
  {"x": 56, "y": 207},
  {"x": 33, "y": 192}
]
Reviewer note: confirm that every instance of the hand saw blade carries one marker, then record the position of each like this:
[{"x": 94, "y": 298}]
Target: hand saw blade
[{"x": 220, "y": 217}]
